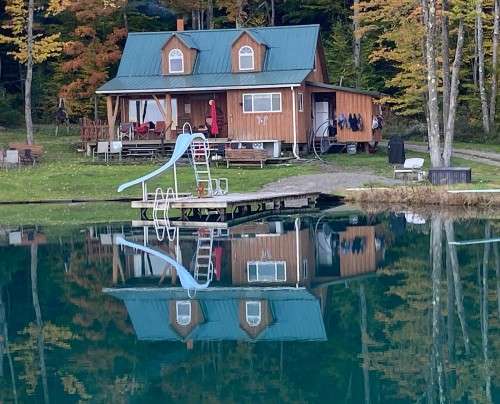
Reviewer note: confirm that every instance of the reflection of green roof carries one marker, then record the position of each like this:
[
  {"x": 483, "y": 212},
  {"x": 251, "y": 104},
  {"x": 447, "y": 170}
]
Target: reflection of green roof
[
  {"x": 296, "y": 313},
  {"x": 289, "y": 58}
]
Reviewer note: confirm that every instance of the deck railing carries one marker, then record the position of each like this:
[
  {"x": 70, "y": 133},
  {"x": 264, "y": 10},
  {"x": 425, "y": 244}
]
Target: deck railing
[{"x": 92, "y": 131}]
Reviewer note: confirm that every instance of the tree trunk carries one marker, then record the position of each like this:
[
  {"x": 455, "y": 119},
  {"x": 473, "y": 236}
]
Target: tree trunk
[
  {"x": 272, "y": 22},
  {"x": 484, "y": 314},
  {"x": 39, "y": 322},
  {"x": 459, "y": 300},
  {"x": 445, "y": 50},
  {"x": 429, "y": 7},
  {"x": 210, "y": 14},
  {"x": 363, "y": 324},
  {"x": 29, "y": 74},
  {"x": 474, "y": 60},
  {"x": 497, "y": 274},
  {"x": 437, "y": 266},
  {"x": 453, "y": 100},
  {"x": 494, "y": 62},
  {"x": 356, "y": 40},
  {"x": 481, "y": 73}
]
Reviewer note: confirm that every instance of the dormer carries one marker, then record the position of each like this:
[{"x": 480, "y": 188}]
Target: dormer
[
  {"x": 178, "y": 55},
  {"x": 255, "y": 316},
  {"x": 248, "y": 52}
]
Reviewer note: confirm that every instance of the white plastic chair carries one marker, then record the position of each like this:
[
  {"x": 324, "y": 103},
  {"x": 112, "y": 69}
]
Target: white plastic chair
[
  {"x": 411, "y": 168},
  {"x": 116, "y": 149},
  {"x": 102, "y": 150},
  {"x": 12, "y": 158}
]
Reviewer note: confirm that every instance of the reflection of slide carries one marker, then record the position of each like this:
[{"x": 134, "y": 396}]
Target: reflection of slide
[
  {"x": 187, "y": 281},
  {"x": 181, "y": 146}
]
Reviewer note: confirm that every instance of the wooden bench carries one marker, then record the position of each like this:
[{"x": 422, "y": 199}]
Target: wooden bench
[
  {"x": 35, "y": 151},
  {"x": 246, "y": 156}
]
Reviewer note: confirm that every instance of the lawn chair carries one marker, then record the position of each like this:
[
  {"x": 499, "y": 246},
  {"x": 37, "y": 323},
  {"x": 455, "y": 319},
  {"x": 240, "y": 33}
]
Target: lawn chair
[
  {"x": 126, "y": 130},
  {"x": 27, "y": 157},
  {"x": 2, "y": 158},
  {"x": 412, "y": 169},
  {"x": 12, "y": 159},
  {"x": 102, "y": 150},
  {"x": 160, "y": 129},
  {"x": 115, "y": 149}
]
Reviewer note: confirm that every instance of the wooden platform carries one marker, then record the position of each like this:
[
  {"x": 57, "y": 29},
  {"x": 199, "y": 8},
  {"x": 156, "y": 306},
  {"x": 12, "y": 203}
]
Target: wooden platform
[{"x": 234, "y": 205}]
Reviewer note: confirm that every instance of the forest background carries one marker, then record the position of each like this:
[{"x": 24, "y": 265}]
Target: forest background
[{"x": 371, "y": 44}]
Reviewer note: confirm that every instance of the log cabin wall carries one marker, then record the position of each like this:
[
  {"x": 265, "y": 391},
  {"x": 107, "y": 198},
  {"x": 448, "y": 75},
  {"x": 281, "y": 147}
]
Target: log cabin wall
[
  {"x": 349, "y": 103},
  {"x": 273, "y": 248},
  {"x": 354, "y": 263},
  {"x": 262, "y": 125}
]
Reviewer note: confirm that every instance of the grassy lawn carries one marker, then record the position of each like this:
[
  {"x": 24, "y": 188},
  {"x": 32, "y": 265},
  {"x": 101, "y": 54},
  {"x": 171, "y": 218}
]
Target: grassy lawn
[
  {"x": 65, "y": 174},
  {"x": 468, "y": 146}
]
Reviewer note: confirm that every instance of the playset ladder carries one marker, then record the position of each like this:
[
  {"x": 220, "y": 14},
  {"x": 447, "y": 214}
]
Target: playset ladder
[{"x": 200, "y": 154}]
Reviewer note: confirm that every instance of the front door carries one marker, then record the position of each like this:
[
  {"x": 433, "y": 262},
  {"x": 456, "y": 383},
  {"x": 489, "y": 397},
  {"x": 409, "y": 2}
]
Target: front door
[{"x": 321, "y": 117}]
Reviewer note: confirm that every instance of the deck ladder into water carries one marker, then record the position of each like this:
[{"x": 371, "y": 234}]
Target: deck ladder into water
[
  {"x": 162, "y": 205},
  {"x": 204, "y": 268}
]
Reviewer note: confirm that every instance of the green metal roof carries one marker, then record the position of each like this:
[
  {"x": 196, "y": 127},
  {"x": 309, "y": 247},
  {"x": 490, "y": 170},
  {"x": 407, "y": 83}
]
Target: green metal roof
[
  {"x": 345, "y": 89},
  {"x": 296, "y": 313},
  {"x": 289, "y": 58}
]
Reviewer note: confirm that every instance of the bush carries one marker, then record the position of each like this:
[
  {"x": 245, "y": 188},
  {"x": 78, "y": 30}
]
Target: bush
[{"x": 10, "y": 114}]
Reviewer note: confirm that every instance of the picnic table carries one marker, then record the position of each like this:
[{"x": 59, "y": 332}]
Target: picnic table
[{"x": 27, "y": 153}]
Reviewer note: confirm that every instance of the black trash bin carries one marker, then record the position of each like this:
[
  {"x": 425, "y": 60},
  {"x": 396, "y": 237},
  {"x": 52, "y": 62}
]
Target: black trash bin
[{"x": 396, "y": 150}]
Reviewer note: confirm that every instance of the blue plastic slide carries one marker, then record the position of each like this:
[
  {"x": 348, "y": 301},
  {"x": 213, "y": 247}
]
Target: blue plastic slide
[
  {"x": 181, "y": 145},
  {"x": 187, "y": 280}
]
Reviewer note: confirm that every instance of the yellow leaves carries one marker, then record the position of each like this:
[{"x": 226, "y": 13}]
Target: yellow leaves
[{"x": 44, "y": 46}]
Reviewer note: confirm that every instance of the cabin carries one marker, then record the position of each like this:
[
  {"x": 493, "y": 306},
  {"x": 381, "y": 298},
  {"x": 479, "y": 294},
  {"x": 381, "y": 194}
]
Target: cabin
[{"x": 264, "y": 88}]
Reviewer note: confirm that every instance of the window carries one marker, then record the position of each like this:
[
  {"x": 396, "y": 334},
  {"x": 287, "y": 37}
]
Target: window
[
  {"x": 245, "y": 57},
  {"x": 253, "y": 313},
  {"x": 175, "y": 61},
  {"x": 183, "y": 312},
  {"x": 300, "y": 102},
  {"x": 262, "y": 102},
  {"x": 266, "y": 271}
]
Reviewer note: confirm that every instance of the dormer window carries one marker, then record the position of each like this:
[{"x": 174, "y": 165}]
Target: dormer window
[
  {"x": 253, "y": 313},
  {"x": 183, "y": 312},
  {"x": 246, "y": 58},
  {"x": 176, "y": 61}
]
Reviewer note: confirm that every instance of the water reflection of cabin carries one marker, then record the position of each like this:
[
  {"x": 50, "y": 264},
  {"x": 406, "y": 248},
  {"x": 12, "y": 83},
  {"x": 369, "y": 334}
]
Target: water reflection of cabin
[{"x": 241, "y": 314}]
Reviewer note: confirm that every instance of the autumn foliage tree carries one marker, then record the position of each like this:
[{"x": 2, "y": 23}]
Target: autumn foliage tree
[
  {"x": 29, "y": 43},
  {"x": 94, "y": 47}
]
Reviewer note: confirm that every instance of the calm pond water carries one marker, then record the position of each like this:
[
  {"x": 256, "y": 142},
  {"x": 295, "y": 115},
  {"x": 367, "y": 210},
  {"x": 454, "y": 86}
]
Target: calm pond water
[{"x": 334, "y": 307}]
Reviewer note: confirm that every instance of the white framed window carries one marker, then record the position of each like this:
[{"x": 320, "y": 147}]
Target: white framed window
[
  {"x": 266, "y": 271},
  {"x": 175, "y": 61},
  {"x": 300, "y": 102},
  {"x": 253, "y": 313},
  {"x": 183, "y": 312},
  {"x": 246, "y": 58},
  {"x": 261, "y": 102}
]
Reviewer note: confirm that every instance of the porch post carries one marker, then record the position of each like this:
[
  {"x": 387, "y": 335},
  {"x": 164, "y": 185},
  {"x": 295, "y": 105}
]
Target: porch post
[
  {"x": 112, "y": 112},
  {"x": 294, "y": 121}
]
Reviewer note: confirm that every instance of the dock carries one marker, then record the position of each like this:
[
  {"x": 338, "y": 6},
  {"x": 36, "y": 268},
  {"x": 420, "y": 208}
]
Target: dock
[{"x": 233, "y": 205}]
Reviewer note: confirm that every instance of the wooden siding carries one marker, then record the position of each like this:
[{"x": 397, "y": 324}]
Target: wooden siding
[
  {"x": 189, "y": 55},
  {"x": 262, "y": 125},
  {"x": 259, "y": 52},
  {"x": 273, "y": 247},
  {"x": 352, "y": 103},
  {"x": 319, "y": 73},
  {"x": 362, "y": 262}
]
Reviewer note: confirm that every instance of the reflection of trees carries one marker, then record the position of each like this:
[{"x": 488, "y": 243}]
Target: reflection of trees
[{"x": 420, "y": 354}]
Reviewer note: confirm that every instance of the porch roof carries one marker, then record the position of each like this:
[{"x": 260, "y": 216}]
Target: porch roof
[{"x": 217, "y": 81}]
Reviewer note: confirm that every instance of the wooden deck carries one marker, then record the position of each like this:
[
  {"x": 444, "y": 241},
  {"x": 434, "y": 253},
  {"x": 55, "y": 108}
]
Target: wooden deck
[{"x": 230, "y": 206}]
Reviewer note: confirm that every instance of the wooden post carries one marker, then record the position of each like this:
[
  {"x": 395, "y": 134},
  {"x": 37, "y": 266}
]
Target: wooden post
[
  {"x": 112, "y": 114},
  {"x": 165, "y": 112}
]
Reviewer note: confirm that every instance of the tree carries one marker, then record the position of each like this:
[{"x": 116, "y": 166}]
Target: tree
[{"x": 30, "y": 47}]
